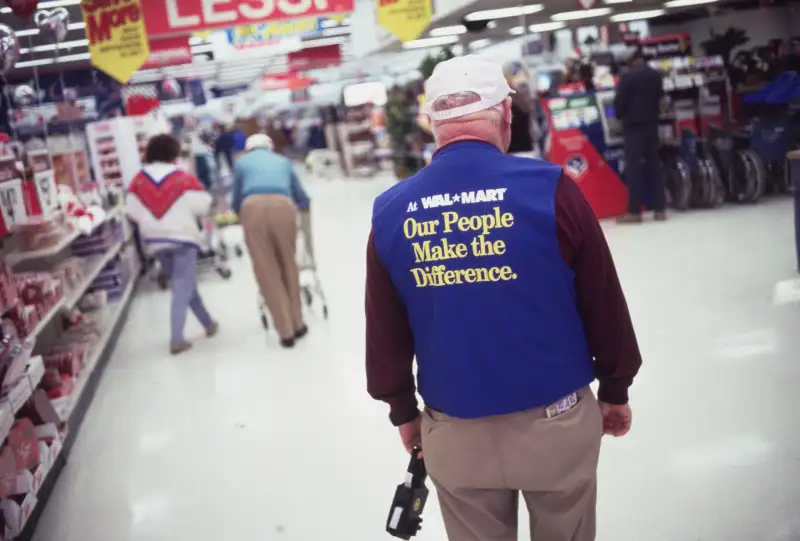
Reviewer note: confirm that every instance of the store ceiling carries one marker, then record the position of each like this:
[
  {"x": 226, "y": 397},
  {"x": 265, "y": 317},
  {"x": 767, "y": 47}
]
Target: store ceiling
[{"x": 38, "y": 52}]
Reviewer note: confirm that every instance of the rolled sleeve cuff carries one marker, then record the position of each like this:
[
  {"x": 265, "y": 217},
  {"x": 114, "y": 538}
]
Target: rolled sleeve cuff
[
  {"x": 614, "y": 391},
  {"x": 404, "y": 409}
]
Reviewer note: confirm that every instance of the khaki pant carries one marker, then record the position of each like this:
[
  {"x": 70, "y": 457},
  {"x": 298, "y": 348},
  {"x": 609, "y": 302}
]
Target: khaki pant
[
  {"x": 480, "y": 466},
  {"x": 270, "y": 232}
]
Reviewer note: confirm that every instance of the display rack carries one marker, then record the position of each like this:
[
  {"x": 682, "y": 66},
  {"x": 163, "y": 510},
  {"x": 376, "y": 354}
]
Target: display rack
[
  {"x": 114, "y": 150},
  {"x": 105, "y": 255}
]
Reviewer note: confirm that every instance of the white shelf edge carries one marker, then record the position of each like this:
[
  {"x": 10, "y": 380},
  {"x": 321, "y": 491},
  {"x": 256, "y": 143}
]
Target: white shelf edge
[
  {"x": 103, "y": 260},
  {"x": 72, "y": 299},
  {"x": 16, "y": 258},
  {"x": 80, "y": 384}
]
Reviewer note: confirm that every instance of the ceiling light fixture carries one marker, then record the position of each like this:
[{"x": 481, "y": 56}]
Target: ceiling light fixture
[
  {"x": 448, "y": 31},
  {"x": 340, "y": 31},
  {"x": 684, "y": 3},
  {"x": 637, "y": 15},
  {"x": 546, "y": 27},
  {"x": 62, "y": 45},
  {"x": 516, "y": 31},
  {"x": 34, "y": 31},
  {"x": 430, "y": 42},
  {"x": 53, "y": 4},
  {"x": 503, "y": 13},
  {"x": 581, "y": 14},
  {"x": 46, "y": 61}
]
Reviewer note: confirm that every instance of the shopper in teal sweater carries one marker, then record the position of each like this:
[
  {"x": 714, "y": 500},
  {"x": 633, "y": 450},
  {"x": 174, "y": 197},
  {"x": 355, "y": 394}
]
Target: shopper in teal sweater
[
  {"x": 266, "y": 195},
  {"x": 262, "y": 171}
]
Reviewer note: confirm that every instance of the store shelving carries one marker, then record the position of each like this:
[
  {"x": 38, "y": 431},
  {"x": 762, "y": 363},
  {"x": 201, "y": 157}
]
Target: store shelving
[
  {"x": 114, "y": 150},
  {"x": 19, "y": 257},
  {"x": 76, "y": 406}
]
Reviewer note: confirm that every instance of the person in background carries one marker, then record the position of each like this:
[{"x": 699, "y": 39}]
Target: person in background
[
  {"x": 266, "y": 195},
  {"x": 638, "y": 105},
  {"x": 204, "y": 164},
  {"x": 224, "y": 146},
  {"x": 508, "y": 329},
  {"x": 166, "y": 203},
  {"x": 521, "y": 112}
]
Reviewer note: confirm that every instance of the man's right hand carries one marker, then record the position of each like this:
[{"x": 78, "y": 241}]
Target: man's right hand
[{"x": 617, "y": 419}]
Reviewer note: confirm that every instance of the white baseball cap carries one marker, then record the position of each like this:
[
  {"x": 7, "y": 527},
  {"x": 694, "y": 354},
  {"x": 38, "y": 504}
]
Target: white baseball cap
[
  {"x": 259, "y": 140},
  {"x": 471, "y": 73}
]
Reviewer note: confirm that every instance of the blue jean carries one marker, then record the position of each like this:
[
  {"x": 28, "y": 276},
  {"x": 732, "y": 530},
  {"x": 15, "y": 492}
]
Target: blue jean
[{"x": 180, "y": 265}]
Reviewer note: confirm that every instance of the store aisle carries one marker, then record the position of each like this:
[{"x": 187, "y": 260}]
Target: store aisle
[{"x": 242, "y": 441}]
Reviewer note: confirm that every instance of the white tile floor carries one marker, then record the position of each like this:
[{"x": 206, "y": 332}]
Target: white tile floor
[{"x": 239, "y": 440}]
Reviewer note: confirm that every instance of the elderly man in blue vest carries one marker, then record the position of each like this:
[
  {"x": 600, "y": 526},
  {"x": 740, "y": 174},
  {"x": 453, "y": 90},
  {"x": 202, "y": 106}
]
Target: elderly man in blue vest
[{"x": 494, "y": 273}]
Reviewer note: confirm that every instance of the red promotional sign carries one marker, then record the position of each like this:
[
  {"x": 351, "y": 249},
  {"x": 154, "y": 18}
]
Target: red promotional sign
[
  {"x": 181, "y": 17},
  {"x": 315, "y": 58},
  {"x": 169, "y": 52},
  {"x": 285, "y": 81}
]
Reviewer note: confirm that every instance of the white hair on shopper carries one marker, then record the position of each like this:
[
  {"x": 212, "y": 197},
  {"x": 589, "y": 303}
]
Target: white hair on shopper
[{"x": 259, "y": 140}]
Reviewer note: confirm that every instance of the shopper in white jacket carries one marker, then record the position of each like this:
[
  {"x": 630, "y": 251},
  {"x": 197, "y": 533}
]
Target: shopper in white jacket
[{"x": 167, "y": 203}]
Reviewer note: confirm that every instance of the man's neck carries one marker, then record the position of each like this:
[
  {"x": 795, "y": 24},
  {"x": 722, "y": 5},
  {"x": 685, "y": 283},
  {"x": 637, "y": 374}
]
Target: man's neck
[{"x": 470, "y": 137}]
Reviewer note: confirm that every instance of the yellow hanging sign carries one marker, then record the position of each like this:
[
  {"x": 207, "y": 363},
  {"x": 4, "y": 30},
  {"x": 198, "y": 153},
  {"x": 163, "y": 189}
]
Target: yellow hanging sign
[
  {"x": 117, "y": 36},
  {"x": 405, "y": 19}
]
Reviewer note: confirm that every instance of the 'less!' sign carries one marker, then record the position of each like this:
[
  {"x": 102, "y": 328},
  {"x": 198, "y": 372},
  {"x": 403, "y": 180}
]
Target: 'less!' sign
[{"x": 171, "y": 17}]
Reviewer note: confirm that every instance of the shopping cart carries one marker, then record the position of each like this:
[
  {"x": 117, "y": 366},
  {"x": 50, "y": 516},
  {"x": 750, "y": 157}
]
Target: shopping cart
[{"x": 310, "y": 284}]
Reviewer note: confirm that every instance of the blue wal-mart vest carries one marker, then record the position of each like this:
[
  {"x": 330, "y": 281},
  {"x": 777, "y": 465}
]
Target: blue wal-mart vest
[{"x": 493, "y": 334}]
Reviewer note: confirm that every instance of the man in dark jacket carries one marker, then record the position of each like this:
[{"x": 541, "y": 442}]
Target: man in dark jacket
[
  {"x": 638, "y": 106},
  {"x": 493, "y": 272}
]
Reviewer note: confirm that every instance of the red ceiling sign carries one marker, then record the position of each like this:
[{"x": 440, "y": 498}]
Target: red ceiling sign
[
  {"x": 169, "y": 52},
  {"x": 181, "y": 17},
  {"x": 285, "y": 81},
  {"x": 315, "y": 58}
]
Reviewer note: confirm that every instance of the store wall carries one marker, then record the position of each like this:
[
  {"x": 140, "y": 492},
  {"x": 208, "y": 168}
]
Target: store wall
[{"x": 761, "y": 25}]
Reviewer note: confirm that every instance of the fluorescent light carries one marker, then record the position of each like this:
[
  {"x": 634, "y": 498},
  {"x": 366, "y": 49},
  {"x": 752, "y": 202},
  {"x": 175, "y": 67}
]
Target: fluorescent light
[
  {"x": 448, "y": 31},
  {"x": 53, "y": 4},
  {"x": 516, "y": 31},
  {"x": 46, "y": 61},
  {"x": 430, "y": 42},
  {"x": 684, "y": 3},
  {"x": 503, "y": 13},
  {"x": 340, "y": 31},
  {"x": 53, "y": 47},
  {"x": 546, "y": 27},
  {"x": 580, "y": 14},
  {"x": 480, "y": 44},
  {"x": 637, "y": 15},
  {"x": 34, "y": 31}
]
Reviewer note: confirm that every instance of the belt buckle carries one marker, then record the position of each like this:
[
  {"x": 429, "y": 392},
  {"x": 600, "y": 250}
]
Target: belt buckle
[{"x": 562, "y": 406}]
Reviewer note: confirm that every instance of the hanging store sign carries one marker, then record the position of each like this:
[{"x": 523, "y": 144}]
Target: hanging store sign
[
  {"x": 285, "y": 81},
  {"x": 405, "y": 19},
  {"x": 258, "y": 35},
  {"x": 169, "y": 52},
  {"x": 178, "y": 17},
  {"x": 315, "y": 58},
  {"x": 117, "y": 37}
]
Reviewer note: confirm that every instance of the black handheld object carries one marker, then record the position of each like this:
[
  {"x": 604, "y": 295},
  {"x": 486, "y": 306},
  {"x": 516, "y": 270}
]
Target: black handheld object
[{"x": 405, "y": 515}]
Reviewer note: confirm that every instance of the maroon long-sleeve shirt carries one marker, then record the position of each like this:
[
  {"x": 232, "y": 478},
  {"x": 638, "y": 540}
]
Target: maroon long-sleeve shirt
[{"x": 601, "y": 303}]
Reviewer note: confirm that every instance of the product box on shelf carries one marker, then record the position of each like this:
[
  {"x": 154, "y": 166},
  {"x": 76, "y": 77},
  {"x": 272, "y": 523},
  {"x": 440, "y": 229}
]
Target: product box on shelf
[
  {"x": 17, "y": 511},
  {"x": 9, "y": 294},
  {"x": 12, "y": 197},
  {"x": 8, "y": 472},
  {"x": 23, "y": 441}
]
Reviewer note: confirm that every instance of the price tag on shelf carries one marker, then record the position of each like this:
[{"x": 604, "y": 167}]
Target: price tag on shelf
[{"x": 683, "y": 81}]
